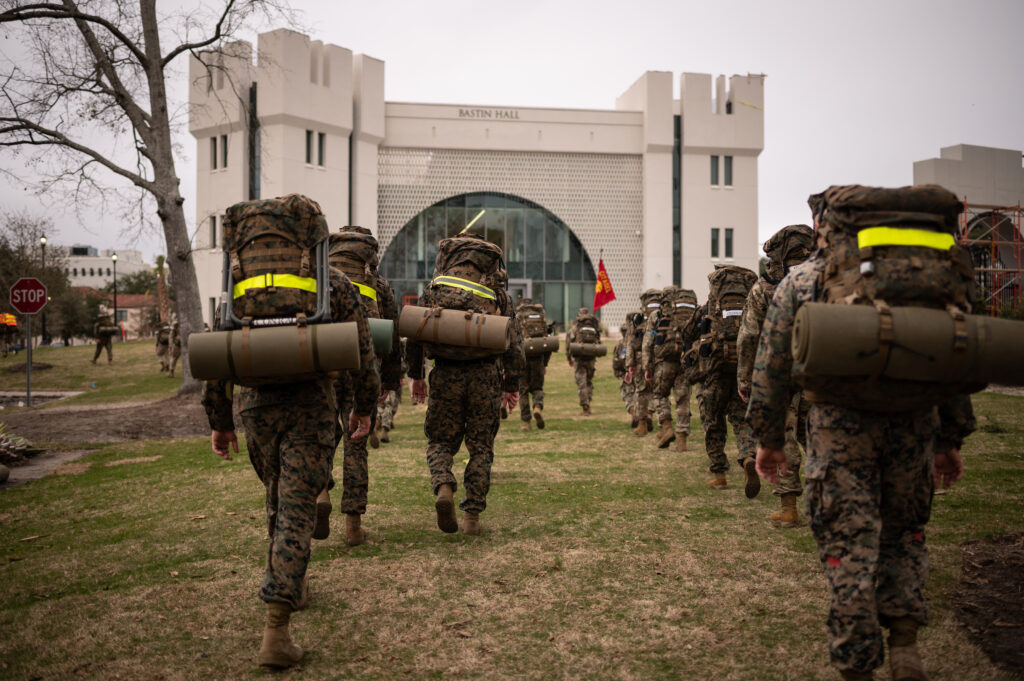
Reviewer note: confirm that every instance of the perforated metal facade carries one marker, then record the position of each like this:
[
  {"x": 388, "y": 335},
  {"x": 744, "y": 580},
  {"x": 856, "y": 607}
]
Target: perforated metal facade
[{"x": 598, "y": 196}]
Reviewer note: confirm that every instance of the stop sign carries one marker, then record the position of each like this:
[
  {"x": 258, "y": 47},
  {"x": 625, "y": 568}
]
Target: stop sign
[{"x": 28, "y": 295}]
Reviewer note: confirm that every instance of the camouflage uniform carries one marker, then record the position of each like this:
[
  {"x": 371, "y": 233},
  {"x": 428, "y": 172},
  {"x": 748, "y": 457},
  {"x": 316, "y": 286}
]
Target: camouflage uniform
[
  {"x": 869, "y": 486},
  {"x": 464, "y": 403},
  {"x": 290, "y": 430},
  {"x": 175, "y": 348},
  {"x": 666, "y": 373},
  {"x": 619, "y": 368},
  {"x": 531, "y": 383},
  {"x": 651, "y": 300},
  {"x": 163, "y": 342},
  {"x": 583, "y": 367},
  {"x": 719, "y": 401},
  {"x": 787, "y": 248},
  {"x": 387, "y": 408},
  {"x": 103, "y": 340}
]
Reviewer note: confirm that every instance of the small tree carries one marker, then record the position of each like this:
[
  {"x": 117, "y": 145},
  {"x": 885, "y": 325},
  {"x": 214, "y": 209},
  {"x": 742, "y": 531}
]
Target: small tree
[{"x": 90, "y": 102}]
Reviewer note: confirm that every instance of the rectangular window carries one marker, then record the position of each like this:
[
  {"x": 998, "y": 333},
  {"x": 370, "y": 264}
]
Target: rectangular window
[
  {"x": 728, "y": 242},
  {"x": 309, "y": 147},
  {"x": 213, "y": 231},
  {"x": 728, "y": 171},
  {"x": 213, "y": 153},
  {"x": 223, "y": 151},
  {"x": 714, "y": 171},
  {"x": 714, "y": 242},
  {"x": 321, "y": 148},
  {"x": 122, "y": 316}
]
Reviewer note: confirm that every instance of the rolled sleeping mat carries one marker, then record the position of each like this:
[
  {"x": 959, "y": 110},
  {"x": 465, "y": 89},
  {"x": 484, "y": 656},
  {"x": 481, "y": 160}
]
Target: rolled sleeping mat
[
  {"x": 455, "y": 327},
  {"x": 382, "y": 331},
  {"x": 842, "y": 340},
  {"x": 540, "y": 346},
  {"x": 274, "y": 352},
  {"x": 587, "y": 349}
]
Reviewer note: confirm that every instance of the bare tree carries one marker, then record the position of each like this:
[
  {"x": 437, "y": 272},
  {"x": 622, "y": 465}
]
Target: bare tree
[{"x": 87, "y": 101}]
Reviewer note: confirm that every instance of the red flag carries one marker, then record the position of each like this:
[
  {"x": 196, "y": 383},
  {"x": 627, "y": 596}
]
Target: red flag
[{"x": 603, "y": 292}]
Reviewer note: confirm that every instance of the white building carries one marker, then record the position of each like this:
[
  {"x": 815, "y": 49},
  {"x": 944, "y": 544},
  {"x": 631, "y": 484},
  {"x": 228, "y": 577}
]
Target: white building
[
  {"x": 87, "y": 266},
  {"x": 661, "y": 188}
]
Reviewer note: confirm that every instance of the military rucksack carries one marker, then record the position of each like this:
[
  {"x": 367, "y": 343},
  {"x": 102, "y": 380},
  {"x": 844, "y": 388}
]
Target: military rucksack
[
  {"x": 532, "y": 320},
  {"x": 275, "y": 261},
  {"x": 684, "y": 306},
  {"x": 588, "y": 329},
  {"x": 721, "y": 323},
  {"x": 469, "y": 274},
  {"x": 163, "y": 335},
  {"x": 892, "y": 248},
  {"x": 354, "y": 252},
  {"x": 677, "y": 308}
]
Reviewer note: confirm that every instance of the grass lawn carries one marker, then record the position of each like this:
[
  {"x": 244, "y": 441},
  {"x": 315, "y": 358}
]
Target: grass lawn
[{"x": 602, "y": 557}]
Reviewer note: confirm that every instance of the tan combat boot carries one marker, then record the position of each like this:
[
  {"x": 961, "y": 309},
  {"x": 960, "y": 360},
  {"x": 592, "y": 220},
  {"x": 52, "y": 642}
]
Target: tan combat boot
[
  {"x": 526, "y": 425},
  {"x": 445, "y": 507},
  {"x": 641, "y": 428},
  {"x": 586, "y": 410},
  {"x": 904, "y": 659},
  {"x": 718, "y": 482},
  {"x": 787, "y": 516},
  {"x": 751, "y": 480},
  {"x": 666, "y": 435},
  {"x": 384, "y": 437},
  {"x": 538, "y": 417},
  {"x": 354, "y": 532},
  {"x": 681, "y": 442},
  {"x": 322, "y": 527},
  {"x": 277, "y": 649},
  {"x": 471, "y": 523}
]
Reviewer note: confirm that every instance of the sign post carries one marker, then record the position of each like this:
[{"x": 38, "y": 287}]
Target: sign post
[{"x": 28, "y": 296}]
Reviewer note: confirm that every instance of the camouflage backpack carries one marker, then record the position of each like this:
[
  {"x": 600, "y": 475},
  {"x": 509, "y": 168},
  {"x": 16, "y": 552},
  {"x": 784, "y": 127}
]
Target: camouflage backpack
[
  {"x": 163, "y": 334},
  {"x": 270, "y": 246},
  {"x": 684, "y": 305},
  {"x": 531, "y": 318},
  {"x": 791, "y": 244},
  {"x": 720, "y": 326},
  {"x": 588, "y": 328},
  {"x": 469, "y": 274},
  {"x": 354, "y": 252},
  {"x": 892, "y": 248},
  {"x": 677, "y": 307}
]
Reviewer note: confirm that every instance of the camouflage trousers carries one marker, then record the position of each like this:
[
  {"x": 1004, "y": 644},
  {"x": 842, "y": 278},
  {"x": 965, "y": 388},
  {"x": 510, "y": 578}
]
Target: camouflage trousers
[
  {"x": 355, "y": 463},
  {"x": 162, "y": 353},
  {"x": 583, "y": 371},
  {"x": 718, "y": 402},
  {"x": 626, "y": 393},
  {"x": 531, "y": 385},
  {"x": 386, "y": 410},
  {"x": 869, "y": 491},
  {"x": 175, "y": 353},
  {"x": 796, "y": 437},
  {"x": 667, "y": 378},
  {"x": 641, "y": 395},
  {"x": 463, "y": 404},
  {"x": 100, "y": 345},
  {"x": 290, "y": 448}
]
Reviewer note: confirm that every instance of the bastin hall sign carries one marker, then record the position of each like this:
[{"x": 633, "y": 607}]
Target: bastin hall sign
[{"x": 499, "y": 114}]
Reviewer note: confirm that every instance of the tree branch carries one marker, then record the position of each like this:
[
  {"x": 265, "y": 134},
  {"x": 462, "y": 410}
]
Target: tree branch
[
  {"x": 217, "y": 35},
  {"x": 51, "y": 11}
]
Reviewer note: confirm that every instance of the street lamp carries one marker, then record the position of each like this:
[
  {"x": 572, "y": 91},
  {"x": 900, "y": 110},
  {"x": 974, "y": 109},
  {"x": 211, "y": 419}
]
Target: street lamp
[
  {"x": 42, "y": 247},
  {"x": 114, "y": 259}
]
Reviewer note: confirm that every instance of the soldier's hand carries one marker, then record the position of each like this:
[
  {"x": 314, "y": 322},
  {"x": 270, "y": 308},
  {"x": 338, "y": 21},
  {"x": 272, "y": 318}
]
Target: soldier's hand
[
  {"x": 949, "y": 468},
  {"x": 384, "y": 395},
  {"x": 744, "y": 392},
  {"x": 359, "y": 426},
  {"x": 649, "y": 376},
  {"x": 510, "y": 400},
  {"x": 221, "y": 440},
  {"x": 570, "y": 362},
  {"x": 419, "y": 391},
  {"x": 629, "y": 375},
  {"x": 771, "y": 464}
]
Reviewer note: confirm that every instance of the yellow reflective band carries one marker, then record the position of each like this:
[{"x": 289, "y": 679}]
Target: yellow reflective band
[
  {"x": 281, "y": 280},
  {"x": 367, "y": 291},
  {"x": 894, "y": 236},
  {"x": 466, "y": 284}
]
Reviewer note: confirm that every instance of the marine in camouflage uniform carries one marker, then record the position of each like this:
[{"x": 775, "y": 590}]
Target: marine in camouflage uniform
[
  {"x": 635, "y": 375},
  {"x": 531, "y": 383},
  {"x": 583, "y": 367},
  {"x": 290, "y": 430},
  {"x": 661, "y": 353},
  {"x": 163, "y": 342},
  {"x": 869, "y": 484},
  {"x": 619, "y": 368},
  {"x": 174, "y": 350},
  {"x": 464, "y": 402},
  {"x": 787, "y": 248},
  {"x": 388, "y": 406},
  {"x": 104, "y": 340},
  {"x": 634, "y": 335}
]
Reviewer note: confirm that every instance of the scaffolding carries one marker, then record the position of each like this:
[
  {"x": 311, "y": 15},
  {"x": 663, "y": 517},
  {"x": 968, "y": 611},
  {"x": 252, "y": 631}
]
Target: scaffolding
[{"x": 992, "y": 235}]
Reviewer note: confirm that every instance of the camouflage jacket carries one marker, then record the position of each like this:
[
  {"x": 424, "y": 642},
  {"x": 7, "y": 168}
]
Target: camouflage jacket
[
  {"x": 345, "y": 307},
  {"x": 634, "y": 342},
  {"x": 754, "y": 312},
  {"x": 619, "y": 358},
  {"x": 772, "y": 376},
  {"x": 675, "y": 334},
  {"x": 513, "y": 362}
]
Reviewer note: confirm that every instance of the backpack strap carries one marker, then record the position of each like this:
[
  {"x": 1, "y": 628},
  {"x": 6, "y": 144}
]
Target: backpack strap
[
  {"x": 270, "y": 280},
  {"x": 466, "y": 285}
]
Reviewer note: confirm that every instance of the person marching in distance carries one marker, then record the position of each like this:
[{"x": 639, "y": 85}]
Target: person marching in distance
[
  {"x": 534, "y": 325},
  {"x": 635, "y": 374},
  {"x": 104, "y": 331},
  {"x": 786, "y": 249},
  {"x": 619, "y": 368},
  {"x": 468, "y": 385},
  {"x": 584, "y": 329}
]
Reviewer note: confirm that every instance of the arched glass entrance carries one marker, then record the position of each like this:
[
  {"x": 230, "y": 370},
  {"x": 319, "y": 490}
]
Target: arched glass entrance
[{"x": 545, "y": 260}]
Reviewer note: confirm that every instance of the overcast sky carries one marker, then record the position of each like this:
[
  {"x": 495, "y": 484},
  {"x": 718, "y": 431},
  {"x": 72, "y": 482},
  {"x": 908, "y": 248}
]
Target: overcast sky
[{"x": 855, "y": 91}]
